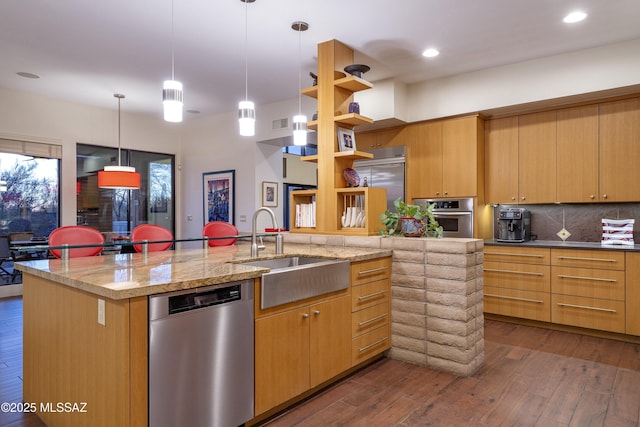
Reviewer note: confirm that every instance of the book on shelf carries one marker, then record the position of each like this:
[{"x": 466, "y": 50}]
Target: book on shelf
[{"x": 306, "y": 214}]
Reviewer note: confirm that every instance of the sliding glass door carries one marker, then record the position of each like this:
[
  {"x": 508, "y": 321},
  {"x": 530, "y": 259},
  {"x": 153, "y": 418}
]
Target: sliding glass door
[{"x": 119, "y": 211}]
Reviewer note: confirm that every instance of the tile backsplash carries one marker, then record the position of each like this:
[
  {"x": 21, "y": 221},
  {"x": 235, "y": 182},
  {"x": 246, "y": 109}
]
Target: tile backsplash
[{"x": 581, "y": 220}]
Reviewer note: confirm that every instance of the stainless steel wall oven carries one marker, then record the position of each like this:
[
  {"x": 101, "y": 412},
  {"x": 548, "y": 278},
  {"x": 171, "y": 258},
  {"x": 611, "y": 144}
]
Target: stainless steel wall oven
[{"x": 454, "y": 215}]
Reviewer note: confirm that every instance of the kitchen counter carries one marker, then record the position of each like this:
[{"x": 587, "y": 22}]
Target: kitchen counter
[
  {"x": 566, "y": 245},
  {"x": 132, "y": 275}
]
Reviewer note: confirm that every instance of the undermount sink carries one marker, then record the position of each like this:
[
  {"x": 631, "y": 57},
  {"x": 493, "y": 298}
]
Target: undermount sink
[{"x": 295, "y": 278}]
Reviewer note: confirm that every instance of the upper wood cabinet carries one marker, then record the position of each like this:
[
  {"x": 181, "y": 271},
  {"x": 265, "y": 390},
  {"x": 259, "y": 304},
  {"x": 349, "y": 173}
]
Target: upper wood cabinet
[
  {"x": 445, "y": 158},
  {"x": 577, "y": 154},
  {"x": 501, "y": 156},
  {"x": 620, "y": 150},
  {"x": 537, "y": 158},
  {"x": 383, "y": 138}
]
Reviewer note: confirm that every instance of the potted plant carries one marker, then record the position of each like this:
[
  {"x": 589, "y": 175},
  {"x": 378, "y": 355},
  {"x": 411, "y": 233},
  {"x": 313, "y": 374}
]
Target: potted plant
[{"x": 410, "y": 221}]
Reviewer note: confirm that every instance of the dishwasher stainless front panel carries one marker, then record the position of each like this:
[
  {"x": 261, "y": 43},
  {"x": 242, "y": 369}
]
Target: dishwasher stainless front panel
[{"x": 201, "y": 356}]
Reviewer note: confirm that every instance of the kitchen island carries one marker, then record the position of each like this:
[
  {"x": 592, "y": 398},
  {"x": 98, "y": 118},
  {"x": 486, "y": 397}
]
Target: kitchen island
[
  {"x": 86, "y": 325},
  {"x": 436, "y": 314}
]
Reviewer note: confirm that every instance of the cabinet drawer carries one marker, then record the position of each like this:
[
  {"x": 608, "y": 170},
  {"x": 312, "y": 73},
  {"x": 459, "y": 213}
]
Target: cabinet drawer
[
  {"x": 588, "y": 282},
  {"x": 516, "y": 303},
  {"x": 370, "y": 294},
  {"x": 526, "y": 277},
  {"x": 605, "y": 259},
  {"x": 371, "y": 270},
  {"x": 593, "y": 313},
  {"x": 370, "y": 318},
  {"x": 517, "y": 254},
  {"x": 372, "y": 343}
]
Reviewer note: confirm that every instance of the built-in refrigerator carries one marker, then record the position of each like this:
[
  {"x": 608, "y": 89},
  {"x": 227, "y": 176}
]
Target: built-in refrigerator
[{"x": 385, "y": 170}]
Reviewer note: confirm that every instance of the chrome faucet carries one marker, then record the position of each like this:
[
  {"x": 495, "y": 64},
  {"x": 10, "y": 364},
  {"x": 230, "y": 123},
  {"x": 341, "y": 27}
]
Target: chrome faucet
[{"x": 254, "y": 239}]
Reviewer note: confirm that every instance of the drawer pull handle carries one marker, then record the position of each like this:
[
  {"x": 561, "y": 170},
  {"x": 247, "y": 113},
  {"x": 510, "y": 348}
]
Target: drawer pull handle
[
  {"x": 586, "y": 307},
  {"x": 373, "y": 270},
  {"x": 373, "y": 344},
  {"x": 529, "y": 273},
  {"x": 376, "y": 294},
  {"x": 595, "y": 279},
  {"x": 366, "y": 322},
  {"x": 509, "y": 254},
  {"x": 577, "y": 258},
  {"x": 537, "y": 301}
]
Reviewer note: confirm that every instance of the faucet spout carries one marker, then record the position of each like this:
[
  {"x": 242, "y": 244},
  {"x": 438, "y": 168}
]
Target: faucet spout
[{"x": 254, "y": 233}]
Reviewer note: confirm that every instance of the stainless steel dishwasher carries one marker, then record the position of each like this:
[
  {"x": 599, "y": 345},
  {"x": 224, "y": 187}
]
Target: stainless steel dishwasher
[{"x": 201, "y": 356}]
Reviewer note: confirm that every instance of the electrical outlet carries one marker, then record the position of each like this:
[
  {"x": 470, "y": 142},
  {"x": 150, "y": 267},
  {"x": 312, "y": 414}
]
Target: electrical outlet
[
  {"x": 101, "y": 319},
  {"x": 243, "y": 218},
  {"x": 189, "y": 217}
]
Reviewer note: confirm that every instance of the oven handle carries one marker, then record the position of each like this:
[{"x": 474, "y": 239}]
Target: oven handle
[{"x": 451, "y": 213}]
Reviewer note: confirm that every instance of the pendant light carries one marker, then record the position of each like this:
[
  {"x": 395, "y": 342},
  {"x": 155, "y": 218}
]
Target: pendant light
[
  {"x": 119, "y": 177},
  {"x": 172, "y": 89},
  {"x": 300, "y": 120},
  {"x": 246, "y": 108}
]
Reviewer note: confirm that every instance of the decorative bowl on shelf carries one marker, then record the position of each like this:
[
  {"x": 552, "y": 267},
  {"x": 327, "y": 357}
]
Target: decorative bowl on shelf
[
  {"x": 357, "y": 69},
  {"x": 352, "y": 177}
]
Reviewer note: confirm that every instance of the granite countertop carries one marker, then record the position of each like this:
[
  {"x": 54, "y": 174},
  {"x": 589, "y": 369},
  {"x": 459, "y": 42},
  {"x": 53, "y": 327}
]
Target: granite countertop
[
  {"x": 565, "y": 244},
  {"x": 125, "y": 276}
]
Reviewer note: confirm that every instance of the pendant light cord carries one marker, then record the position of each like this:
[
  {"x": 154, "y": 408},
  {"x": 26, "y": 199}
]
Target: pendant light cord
[
  {"x": 300, "y": 69},
  {"x": 119, "y": 154},
  {"x": 246, "y": 51},
  {"x": 172, "y": 45}
]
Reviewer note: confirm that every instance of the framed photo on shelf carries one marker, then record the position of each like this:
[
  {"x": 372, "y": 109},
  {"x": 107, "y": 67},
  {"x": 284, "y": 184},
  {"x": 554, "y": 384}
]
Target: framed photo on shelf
[
  {"x": 269, "y": 194},
  {"x": 218, "y": 196},
  {"x": 346, "y": 139}
]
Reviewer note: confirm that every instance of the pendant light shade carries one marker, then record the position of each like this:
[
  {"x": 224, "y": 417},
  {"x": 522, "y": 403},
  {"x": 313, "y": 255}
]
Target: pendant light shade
[
  {"x": 172, "y": 101},
  {"x": 300, "y": 130},
  {"x": 119, "y": 177},
  {"x": 172, "y": 96},
  {"x": 246, "y": 108},
  {"x": 247, "y": 118},
  {"x": 300, "y": 120}
]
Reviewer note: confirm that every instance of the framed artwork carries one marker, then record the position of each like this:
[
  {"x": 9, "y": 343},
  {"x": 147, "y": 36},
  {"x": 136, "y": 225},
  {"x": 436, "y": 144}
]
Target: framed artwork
[
  {"x": 346, "y": 139},
  {"x": 218, "y": 195},
  {"x": 269, "y": 194}
]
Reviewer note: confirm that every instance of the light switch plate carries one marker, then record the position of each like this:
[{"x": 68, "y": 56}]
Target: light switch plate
[{"x": 563, "y": 234}]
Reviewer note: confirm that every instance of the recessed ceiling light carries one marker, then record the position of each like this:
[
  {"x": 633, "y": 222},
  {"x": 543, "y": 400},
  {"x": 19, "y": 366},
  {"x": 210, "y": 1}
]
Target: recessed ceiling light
[
  {"x": 574, "y": 17},
  {"x": 28, "y": 75},
  {"x": 430, "y": 53}
]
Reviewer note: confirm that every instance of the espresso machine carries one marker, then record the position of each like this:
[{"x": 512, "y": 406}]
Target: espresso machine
[{"x": 514, "y": 225}]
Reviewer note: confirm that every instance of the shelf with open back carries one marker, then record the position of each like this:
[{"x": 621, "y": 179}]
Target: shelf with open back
[{"x": 333, "y": 198}]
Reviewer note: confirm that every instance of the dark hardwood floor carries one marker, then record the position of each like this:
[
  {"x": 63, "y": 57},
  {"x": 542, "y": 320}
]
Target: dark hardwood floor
[{"x": 531, "y": 377}]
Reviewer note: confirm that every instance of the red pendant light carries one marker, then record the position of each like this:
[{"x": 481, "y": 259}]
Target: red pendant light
[{"x": 119, "y": 177}]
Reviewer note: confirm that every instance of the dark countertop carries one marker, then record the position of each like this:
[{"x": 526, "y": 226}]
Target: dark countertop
[{"x": 565, "y": 245}]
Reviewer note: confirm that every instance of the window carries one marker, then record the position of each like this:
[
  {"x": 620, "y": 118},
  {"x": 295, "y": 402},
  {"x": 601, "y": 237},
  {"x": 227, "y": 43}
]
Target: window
[
  {"x": 119, "y": 211},
  {"x": 29, "y": 187}
]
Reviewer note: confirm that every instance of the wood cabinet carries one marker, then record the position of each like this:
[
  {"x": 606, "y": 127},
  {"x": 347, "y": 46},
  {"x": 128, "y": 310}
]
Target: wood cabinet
[
  {"x": 537, "y": 158},
  {"x": 582, "y": 154},
  {"x": 334, "y": 92},
  {"x": 619, "y": 138},
  {"x": 501, "y": 156},
  {"x": 373, "y": 140},
  {"x": 299, "y": 348},
  {"x": 445, "y": 158},
  {"x": 588, "y": 289},
  {"x": 632, "y": 302},
  {"x": 371, "y": 308},
  {"x": 577, "y": 154},
  {"x": 593, "y": 289},
  {"x": 517, "y": 282}
]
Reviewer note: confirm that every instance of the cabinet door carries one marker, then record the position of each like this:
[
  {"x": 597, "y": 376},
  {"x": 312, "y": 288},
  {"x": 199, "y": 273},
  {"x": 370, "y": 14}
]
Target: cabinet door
[
  {"x": 330, "y": 339},
  {"x": 282, "y": 358},
  {"x": 537, "y": 157},
  {"x": 632, "y": 301},
  {"x": 577, "y": 162},
  {"x": 620, "y": 151},
  {"x": 501, "y": 160},
  {"x": 424, "y": 161},
  {"x": 460, "y": 157}
]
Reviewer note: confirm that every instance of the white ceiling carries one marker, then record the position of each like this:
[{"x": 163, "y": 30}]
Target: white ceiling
[{"x": 85, "y": 51}]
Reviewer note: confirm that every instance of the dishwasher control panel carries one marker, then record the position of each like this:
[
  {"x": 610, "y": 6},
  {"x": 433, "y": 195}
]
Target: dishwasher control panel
[{"x": 194, "y": 300}]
